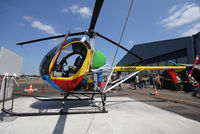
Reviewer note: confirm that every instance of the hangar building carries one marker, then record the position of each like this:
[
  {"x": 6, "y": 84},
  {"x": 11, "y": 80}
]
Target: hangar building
[{"x": 179, "y": 50}]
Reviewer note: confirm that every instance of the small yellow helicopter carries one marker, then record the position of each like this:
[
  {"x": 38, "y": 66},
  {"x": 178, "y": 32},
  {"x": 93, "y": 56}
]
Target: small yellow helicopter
[
  {"x": 66, "y": 64},
  {"x": 63, "y": 75}
]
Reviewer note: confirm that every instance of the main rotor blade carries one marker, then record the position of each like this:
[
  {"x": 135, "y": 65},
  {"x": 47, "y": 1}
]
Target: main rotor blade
[
  {"x": 52, "y": 37},
  {"x": 96, "y": 11},
  {"x": 119, "y": 46},
  {"x": 42, "y": 39}
]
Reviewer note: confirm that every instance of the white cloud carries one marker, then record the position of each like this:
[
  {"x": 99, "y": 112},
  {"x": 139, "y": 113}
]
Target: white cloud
[
  {"x": 22, "y": 25},
  {"x": 186, "y": 14},
  {"x": 54, "y": 42},
  {"x": 78, "y": 28},
  {"x": 39, "y": 25},
  {"x": 172, "y": 9},
  {"x": 130, "y": 43},
  {"x": 27, "y": 18},
  {"x": 74, "y": 9},
  {"x": 46, "y": 28},
  {"x": 84, "y": 12},
  {"x": 193, "y": 30},
  {"x": 65, "y": 10}
]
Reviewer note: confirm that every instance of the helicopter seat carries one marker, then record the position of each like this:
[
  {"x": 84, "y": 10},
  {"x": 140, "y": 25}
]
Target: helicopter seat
[
  {"x": 57, "y": 74},
  {"x": 72, "y": 69},
  {"x": 78, "y": 63}
]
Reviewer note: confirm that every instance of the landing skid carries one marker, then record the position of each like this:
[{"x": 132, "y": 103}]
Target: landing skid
[
  {"x": 63, "y": 111},
  {"x": 51, "y": 113},
  {"x": 74, "y": 94}
]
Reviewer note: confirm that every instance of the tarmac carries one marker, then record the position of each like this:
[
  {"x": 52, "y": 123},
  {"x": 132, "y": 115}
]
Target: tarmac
[
  {"x": 129, "y": 111},
  {"x": 166, "y": 94},
  {"x": 125, "y": 115},
  {"x": 181, "y": 103}
]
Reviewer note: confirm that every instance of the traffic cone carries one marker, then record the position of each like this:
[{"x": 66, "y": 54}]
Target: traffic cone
[
  {"x": 30, "y": 89},
  {"x": 156, "y": 92}
]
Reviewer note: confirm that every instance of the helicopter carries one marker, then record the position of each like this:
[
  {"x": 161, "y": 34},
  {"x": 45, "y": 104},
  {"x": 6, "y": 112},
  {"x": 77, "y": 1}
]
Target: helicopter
[
  {"x": 68, "y": 63},
  {"x": 56, "y": 70}
]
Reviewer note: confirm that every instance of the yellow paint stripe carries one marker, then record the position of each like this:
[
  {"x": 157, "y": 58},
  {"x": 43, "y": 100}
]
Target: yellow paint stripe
[{"x": 136, "y": 68}]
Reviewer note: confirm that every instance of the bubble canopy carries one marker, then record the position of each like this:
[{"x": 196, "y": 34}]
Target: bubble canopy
[{"x": 70, "y": 65}]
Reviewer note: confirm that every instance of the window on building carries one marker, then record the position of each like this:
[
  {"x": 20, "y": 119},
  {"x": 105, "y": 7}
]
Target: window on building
[
  {"x": 155, "y": 71},
  {"x": 182, "y": 60},
  {"x": 170, "y": 62},
  {"x": 161, "y": 63}
]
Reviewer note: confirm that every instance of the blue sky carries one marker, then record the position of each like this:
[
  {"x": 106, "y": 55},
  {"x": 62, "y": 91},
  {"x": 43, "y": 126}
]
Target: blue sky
[{"x": 149, "y": 21}]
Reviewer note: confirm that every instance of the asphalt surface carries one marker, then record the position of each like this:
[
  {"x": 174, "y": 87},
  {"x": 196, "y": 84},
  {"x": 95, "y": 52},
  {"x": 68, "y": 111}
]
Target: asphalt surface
[
  {"x": 169, "y": 100},
  {"x": 125, "y": 116},
  {"x": 180, "y": 103}
]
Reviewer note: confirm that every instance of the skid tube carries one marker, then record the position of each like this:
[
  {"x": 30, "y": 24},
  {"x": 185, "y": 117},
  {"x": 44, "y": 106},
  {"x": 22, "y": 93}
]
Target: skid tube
[
  {"x": 62, "y": 112},
  {"x": 51, "y": 113},
  {"x": 74, "y": 94}
]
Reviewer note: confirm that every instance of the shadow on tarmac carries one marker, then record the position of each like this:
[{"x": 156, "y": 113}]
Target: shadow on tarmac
[
  {"x": 44, "y": 106},
  {"x": 58, "y": 104},
  {"x": 60, "y": 125}
]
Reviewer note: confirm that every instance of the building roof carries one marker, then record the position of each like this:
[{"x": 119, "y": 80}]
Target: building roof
[{"x": 154, "y": 49}]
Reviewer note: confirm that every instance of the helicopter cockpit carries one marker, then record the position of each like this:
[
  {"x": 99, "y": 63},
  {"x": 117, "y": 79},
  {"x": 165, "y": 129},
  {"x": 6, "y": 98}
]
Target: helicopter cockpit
[{"x": 69, "y": 61}]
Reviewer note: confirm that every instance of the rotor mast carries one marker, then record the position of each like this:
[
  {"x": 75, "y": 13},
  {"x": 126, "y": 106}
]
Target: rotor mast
[{"x": 96, "y": 11}]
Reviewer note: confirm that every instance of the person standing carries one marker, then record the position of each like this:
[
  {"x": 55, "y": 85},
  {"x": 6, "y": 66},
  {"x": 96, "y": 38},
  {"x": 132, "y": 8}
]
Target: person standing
[
  {"x": 179, "y": 86},
  {"x": 137, "y": 82},
  {"x": 119, "y": 77},
  {"x": 158, "y": 82}
]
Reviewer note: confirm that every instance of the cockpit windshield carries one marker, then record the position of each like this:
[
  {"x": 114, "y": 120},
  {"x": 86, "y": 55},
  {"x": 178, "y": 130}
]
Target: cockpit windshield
[{"x": 70, "y": 60}]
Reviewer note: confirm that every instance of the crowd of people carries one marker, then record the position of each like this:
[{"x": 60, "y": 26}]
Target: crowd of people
[
  {"x": 156, "y": 81},
  {"x": 145, "y": 81}
]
